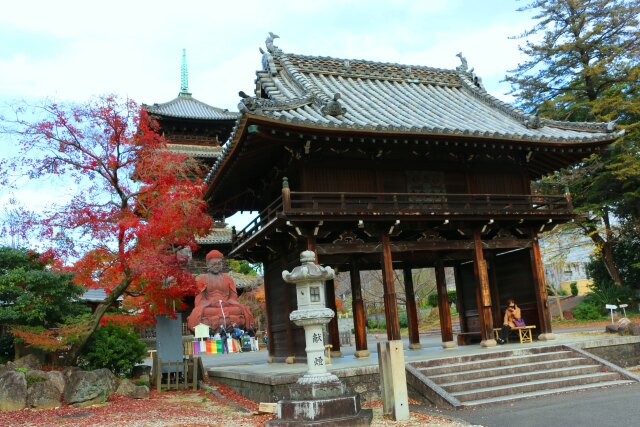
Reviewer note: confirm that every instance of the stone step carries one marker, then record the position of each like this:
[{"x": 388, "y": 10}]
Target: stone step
[
  {"x": 509, "y": 379},
  {"x": 489, "y": 354},
  {"x": 526, "y": 395},
  {"x": 507, "y": 370},
  {"x": 494, "y": 362},
  {"x": 536, "y": 385}
]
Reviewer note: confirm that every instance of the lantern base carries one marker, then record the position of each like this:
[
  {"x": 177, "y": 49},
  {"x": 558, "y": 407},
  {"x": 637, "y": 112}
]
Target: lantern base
[{"x": 334, "y": 411}]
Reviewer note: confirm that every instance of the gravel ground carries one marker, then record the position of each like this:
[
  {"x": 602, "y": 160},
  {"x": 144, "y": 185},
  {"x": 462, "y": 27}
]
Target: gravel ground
[{"x": 222, "y": 407}]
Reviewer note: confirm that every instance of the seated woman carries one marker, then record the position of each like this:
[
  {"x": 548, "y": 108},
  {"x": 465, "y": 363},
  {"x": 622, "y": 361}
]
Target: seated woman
[{"x": 511, "y": 314}]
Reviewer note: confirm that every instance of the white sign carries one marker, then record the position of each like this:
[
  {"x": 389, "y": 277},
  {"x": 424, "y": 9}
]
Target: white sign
[
  {"x": 611, "y": 307},
  {"x": 624, "y": 305}
]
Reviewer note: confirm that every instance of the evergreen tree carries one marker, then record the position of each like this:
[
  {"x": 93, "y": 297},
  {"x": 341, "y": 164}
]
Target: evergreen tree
[{"x": 584, "y": 65}]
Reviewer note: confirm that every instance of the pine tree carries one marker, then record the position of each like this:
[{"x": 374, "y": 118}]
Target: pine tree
[{"x": 584, "y": 65}]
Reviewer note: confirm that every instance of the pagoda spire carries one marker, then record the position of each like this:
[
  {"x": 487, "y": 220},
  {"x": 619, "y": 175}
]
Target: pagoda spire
[{"x": 184, "y": 75}]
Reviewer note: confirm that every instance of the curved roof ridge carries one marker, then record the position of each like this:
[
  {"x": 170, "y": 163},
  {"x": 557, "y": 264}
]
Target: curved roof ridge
[{"x": 186, "y": 106}]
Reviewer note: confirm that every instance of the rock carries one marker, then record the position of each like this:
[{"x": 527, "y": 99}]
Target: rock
[
  {"x": 623, "y": 326},
  {"x": 29, "y": 361},
  {"x": 10, "y": 366},
  {"x": 129, "y": 389},
  {"x": 143, "y": 379},
  {"x": 567, "y": 315},
  {"x": 43, "y": 395},
  {"x": 13, "y": 391},
  {"x": 89, "y": 387},
  {"x": 634, "y": 329},
  {"x": 36, "y": 373},
  {"x": 57, "y": 379},
  {"x": 140, "y": 370},
  {"x": 612, "y": 329}
]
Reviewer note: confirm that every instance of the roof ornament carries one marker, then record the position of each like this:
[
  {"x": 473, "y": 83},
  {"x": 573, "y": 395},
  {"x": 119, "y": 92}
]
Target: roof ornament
[
  {"x": 269, "y": 41},
  {"x": 184, "y": 76},
  {"x": 333, "y": 107},
  {"x": 532, "y": 121},
  {"x": 347, "y": 65},
  {"x": 463, "y": 66},
  {"x": 248, "y": 103}
]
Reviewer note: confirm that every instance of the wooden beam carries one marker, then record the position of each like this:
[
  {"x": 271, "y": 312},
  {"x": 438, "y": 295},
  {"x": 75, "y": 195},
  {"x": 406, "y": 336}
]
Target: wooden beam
[
  {"x": 444, "y": 309},
  {"x": 460, "y": 308},
  {"x": 268, "y": 304},
  {"x": 483, "y": 293},
  {"x": 544, "y": 317},
  {"x": 412, "y": 311},
  {"x": 359, "y": 317},
  {"x": 334, "y": 332},
  {"x": 439, "y": 245},
  {"x": 390, "y": 299}
]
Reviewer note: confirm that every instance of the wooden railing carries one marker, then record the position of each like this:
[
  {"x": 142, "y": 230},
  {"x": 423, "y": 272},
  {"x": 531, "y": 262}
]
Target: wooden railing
[
  {"x": 437, "y": 203},
  {"x": 400, "y": 204}
]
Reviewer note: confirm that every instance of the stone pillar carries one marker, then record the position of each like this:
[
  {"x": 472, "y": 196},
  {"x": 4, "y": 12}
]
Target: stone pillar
[
  {"x": 412, "y": 311},
  {"x": 359, "y": 316},
  {"x": 390, "y": 299},
  {"x": 544, "y": 317},
  {"x": 483, "y": 294},
  {"x": 444, "y": 309},
  {"x": 391, "y": 354},
  {"x": 288, "y": 307},
  {"x": 318, "y": 398}
]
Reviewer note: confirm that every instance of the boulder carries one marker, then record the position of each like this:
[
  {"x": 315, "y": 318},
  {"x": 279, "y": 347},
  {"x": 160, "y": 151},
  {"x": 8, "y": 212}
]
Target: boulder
[
  {"x": 143, "y": 379},
  {"x": 129, "y": 389},
  {"x": 623, "y": 326},
  {"x": 44, "y": 395},
  {"x": 29, "y": 361},
  {"x": 140, "y": 370},
  {"x": 13, "y": 391},
  {"x": 35, "y": 373},
  {"x": 88, "y": 387},
  {"x": 612, "y": 329},
  {"x": 634, "y": 329},
  {"x": 57, "y": 379},
  {"x": 10, "y": 366}
]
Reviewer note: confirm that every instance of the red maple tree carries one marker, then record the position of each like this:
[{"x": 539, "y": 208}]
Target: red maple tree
[{"x": 136, "y": 206}]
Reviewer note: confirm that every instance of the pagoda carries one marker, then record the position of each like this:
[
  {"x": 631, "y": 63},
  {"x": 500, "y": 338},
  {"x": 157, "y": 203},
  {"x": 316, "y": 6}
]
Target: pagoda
[{"x": 383, "y": 166}]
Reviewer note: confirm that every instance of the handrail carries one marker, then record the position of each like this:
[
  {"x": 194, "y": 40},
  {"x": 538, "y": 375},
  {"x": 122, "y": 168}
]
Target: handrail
[
  {"x": 340, "y": 203},
  {"x": 263, "y": 218}
]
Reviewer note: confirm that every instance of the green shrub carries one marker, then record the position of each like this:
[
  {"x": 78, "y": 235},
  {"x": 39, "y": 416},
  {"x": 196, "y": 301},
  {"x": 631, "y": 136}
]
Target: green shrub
[
  {"x": 574, "y": 288},
  {"x": 403, "y": 319},
  {"x": 586, "y": 310},
  {"x": 33, "y": 380},
  {"x": 115, "y": 348},
  {"x": 7, "y": 348},
  {"x": 432, "y": 299},
  {"x": 562, "y": 293}
]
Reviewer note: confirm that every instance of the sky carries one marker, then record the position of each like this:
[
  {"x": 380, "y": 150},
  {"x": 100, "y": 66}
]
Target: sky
[{"x": 70, "y": 50}]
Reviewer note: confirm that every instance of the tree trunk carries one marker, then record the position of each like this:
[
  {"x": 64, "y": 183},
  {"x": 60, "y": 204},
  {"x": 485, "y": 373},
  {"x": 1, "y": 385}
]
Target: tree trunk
[
  {"x": 606, "y": 247},
  {"x": 76, "y": 349},
  {"x": 557, "y": 297}
]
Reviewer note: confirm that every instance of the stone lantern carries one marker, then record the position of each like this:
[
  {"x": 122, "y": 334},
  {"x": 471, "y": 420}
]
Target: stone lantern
[{"x": 318, "y": 397}]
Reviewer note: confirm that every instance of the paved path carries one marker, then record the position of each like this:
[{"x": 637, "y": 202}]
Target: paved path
[{"x": 616, "y": 406}]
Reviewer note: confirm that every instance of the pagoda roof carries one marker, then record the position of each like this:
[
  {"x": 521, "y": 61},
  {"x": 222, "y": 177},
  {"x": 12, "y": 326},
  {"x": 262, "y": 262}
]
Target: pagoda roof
[
  {"x": 216, "y": 235},
  {"x": 185, "y": 106},
  {"x": 377, "y": 96}
]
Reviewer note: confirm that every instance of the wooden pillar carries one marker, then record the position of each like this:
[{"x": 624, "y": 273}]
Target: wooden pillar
[
  {"x": 390, "y": 299},
  {"x": 544, "y": 317},
  {"x": 359, "y": 316},
  {"x": 460, "y": 298},
  {"x": 288, "y": 307},
  {"x": 483, "y": 293},
  {"x": 444, "y": 309},
  {"x": 412, "y": 311},
  {"x": 269, "y": 308},
  {"x": 334, "y": 332},
  {"x": 495, "y": 294}
]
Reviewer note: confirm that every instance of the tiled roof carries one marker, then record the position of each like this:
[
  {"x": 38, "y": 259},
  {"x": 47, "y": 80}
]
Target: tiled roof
[
  {"x": 200, "y": 151},
  {"x": 244, "y": 281},
  {"x": 359, "y": 94},
  {"x": 96, "y": 295},
  {"x": 216, "y": 235},
  {"x": 186, "y": 106}
]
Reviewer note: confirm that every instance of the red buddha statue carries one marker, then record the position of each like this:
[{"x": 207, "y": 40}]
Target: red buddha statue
[{"x": 217, "y": 301}]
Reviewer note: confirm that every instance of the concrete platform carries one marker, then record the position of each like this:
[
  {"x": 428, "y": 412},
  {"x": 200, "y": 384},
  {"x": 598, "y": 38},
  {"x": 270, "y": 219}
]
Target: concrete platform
[{"x": 253, "y": 377}]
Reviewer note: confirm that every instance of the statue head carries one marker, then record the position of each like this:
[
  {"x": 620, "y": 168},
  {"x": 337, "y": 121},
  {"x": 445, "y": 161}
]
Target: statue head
[{"x": 215, "y": 262}]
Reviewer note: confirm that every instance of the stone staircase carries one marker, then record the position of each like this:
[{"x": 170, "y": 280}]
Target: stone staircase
[{"x": 502, "y": 376}]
